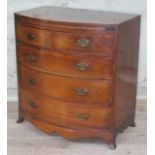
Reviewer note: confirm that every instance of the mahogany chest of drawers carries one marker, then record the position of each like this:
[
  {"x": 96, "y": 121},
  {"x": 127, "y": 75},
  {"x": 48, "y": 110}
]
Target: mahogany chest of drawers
[{"x": 77, "y": 71}]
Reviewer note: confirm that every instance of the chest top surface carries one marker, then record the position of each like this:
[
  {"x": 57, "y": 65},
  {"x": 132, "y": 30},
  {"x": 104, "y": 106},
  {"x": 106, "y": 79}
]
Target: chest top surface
[{"x": 81, "y": 16}]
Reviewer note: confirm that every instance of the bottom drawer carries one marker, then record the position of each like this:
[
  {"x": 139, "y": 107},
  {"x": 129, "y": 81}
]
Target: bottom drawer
[{"x": 66, "y": 114}]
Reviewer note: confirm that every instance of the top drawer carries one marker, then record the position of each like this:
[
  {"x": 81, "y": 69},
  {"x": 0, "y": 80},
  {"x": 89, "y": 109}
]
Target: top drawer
[
  {"x": 33, "y": 36},
  {"x": 88, "y": 43},
  {"x": 84, "y": 42}
]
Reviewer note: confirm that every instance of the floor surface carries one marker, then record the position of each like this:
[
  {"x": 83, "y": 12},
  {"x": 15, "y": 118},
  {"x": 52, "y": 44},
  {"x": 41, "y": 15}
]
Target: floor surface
[{"x": 25, "y": 139}]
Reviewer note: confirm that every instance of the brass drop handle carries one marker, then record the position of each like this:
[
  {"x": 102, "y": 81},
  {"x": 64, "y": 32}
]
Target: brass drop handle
[
  {"x": 82, "y": 116},
  {"x": 31, "y": 36},
  {"x": 33, "y": 104},
  {"x": 81, "y": 91},
  {"x": 83, "y": 42},
  {"x": 82, "y": 66},
  {"x": 31, "y": 58},
  {"x": 32, "y": 81}
]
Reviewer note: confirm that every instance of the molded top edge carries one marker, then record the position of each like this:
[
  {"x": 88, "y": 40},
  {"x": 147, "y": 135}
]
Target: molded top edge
[{"x": 76, "y": 16}]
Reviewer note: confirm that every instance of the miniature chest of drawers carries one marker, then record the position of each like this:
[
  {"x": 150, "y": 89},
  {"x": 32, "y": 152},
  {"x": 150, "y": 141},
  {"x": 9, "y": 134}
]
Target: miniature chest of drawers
[{"x": 77, "y": 71}]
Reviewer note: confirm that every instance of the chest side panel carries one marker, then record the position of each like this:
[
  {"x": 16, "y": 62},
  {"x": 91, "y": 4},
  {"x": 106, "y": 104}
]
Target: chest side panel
[{"x": 126, "y": 70}]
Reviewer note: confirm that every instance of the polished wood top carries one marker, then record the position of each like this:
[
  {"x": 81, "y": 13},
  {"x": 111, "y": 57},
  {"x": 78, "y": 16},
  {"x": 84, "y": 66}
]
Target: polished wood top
[{"x": 68, "y": 15}]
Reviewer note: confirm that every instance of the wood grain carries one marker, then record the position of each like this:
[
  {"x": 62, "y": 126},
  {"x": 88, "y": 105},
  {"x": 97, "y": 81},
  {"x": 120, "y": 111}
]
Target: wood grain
[
  {"x": 126, "y": 70},
  {"x": 42, "y": 37},
  {"x": 65, "y": 64},
  {"x": 64, "y": 113},
  {"x": 98, "y": 99},
  {"x": 71, "y": 16},
  {"x": 99, "y": 44},
  {"x": 65, "y": 88}
]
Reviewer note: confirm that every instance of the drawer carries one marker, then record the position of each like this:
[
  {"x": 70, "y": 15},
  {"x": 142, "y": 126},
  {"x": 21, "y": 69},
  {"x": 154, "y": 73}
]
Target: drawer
[
  {"x": 67, "y": 114},
  {"x": 33, "y": 36},
  {"x": 82, "y": 66},
  {"x": 71, "y": 89},
  {"x": 101, "y": 43}
]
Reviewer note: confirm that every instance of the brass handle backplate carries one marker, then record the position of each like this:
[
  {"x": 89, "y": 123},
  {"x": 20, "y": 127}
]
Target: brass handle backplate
[
  {"x": 83, "y": 42},
  {"x": 33, "y": 104},
  {"x": 31, "y": 58},
  {"x": 31, "y": 36},
  {"x": 82, "y": 66},
  {"x": 32, "y": 81},
  {"x": 82, "y": 117},
  {"x": 82, "y": 91}
]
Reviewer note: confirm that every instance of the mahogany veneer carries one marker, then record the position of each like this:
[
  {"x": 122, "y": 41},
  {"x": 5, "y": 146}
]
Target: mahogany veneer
[{"x": 77, "y": 71}]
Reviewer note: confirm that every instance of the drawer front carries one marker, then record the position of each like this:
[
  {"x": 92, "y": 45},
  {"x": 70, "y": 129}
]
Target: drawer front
[
  {"x": 33, "y": 36},
  {"x": 92, "y": 67},
  {"x": 78, "y": 90},
  {"x": 66, "y": 114},
  {"x": 98, "y": 44},
  {"x": 101, "y": 44}
]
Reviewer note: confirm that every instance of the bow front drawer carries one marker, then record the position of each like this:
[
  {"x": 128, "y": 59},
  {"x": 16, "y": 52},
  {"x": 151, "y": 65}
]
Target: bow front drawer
[
  {"x": 78, "y": 90},
  {"x": 101, "y": 43},
  {"x": 65, "y": 64},
  {"x": 33, "y": 36},
  {"x": 64, "y": 113}
]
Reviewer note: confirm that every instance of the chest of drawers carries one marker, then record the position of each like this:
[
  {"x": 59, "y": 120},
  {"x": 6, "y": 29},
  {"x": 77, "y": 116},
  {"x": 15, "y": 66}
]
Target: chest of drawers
[{"x": 77, "y": 71}]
